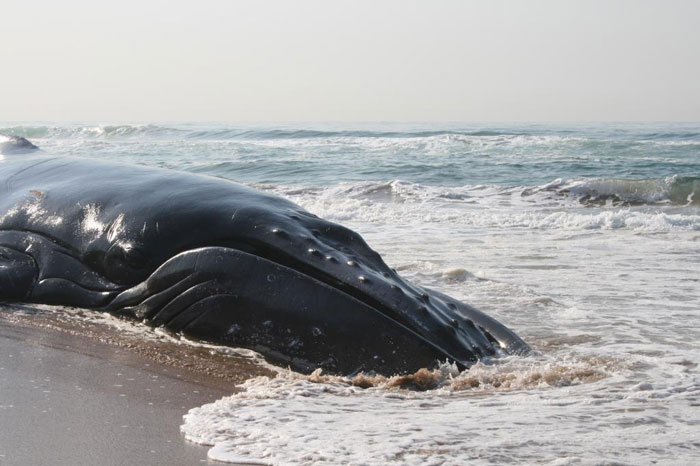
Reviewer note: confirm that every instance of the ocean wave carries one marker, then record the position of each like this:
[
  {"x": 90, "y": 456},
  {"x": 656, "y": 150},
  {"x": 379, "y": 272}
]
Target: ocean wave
[
  {"x": 676, "y": 190},
  {"x": 316, "y": 134},
  {"x": 447, "y": 157},
  {"x": 613, "y": 192},
  {"x": 554, "y": 206},
  {"x": 672, "y": 135},
  {"x": 591, "y": 166},
  {"x": 217, "y": 133},
  {"x": 271, "y": 132},
  {"x": 91, "y": 131},
  {"x": 407, "y": 216}
]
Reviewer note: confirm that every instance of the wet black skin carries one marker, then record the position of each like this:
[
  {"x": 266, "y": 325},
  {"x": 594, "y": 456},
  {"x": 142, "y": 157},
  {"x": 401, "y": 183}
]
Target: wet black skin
[{"x": 223, "y": 263}]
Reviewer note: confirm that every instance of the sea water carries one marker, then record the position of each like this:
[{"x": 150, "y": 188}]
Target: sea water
[{"x": 582, "y": 238}]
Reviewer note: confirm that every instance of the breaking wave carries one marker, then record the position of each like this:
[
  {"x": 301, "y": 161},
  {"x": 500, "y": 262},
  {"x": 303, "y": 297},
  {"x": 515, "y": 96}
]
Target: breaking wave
[
  {"x": 387, "y": 131},
  {"x": 676, "y": 190},
  {"x": 564, "y": 206},
  {"x": 196, "y": 132},
  {"x": 91, "y": 131},
  {"x": 615, "y": 192}
]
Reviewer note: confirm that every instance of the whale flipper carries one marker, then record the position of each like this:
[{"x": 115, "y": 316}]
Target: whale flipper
[{"x": 18, "y": 272}]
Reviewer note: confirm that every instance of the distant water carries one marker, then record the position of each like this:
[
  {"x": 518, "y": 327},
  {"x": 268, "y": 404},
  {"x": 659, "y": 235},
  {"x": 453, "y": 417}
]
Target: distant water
[
  {"x": 584, "y": 239},
  {"x": 447, "y": 155}
]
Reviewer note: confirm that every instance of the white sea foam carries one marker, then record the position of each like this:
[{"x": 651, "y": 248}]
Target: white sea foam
[
  {"x": 480, "y": 207},
  {"x": 546, "y": 414}
]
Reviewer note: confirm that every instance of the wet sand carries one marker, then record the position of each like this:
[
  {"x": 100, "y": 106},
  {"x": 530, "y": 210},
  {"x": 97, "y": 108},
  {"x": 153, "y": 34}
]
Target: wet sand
[{"x": 70, "y": 399}]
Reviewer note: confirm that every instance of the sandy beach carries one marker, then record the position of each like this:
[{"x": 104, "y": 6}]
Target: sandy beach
[{"x": 68, "y": 399}]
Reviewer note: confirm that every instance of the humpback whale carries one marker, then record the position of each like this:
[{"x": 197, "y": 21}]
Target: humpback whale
[{"x": 224, "y": 263}]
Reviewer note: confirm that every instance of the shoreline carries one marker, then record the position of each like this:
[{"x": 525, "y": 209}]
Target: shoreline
[{"x": 70, "y": 398}]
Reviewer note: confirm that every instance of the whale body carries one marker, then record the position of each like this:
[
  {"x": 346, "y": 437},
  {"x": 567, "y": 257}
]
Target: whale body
[{"x": 222, "y": 262}]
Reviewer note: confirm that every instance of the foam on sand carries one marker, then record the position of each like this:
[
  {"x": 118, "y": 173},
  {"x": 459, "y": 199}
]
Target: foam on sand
[{"x": 324, "y": 420}]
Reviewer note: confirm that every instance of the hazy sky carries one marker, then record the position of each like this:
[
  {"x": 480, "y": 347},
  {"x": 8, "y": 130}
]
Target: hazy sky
[{"x": 349, "y": 60}]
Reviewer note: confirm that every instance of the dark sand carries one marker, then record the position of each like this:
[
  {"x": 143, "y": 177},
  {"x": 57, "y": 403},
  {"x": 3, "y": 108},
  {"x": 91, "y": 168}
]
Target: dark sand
[{"x": 71, "y": 399}]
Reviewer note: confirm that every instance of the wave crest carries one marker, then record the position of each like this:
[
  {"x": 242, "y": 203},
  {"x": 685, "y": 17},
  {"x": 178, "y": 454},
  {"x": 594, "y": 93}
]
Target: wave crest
[
  {"x": 676, "y": 190},
  {"x": 224, "y": 132}
]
